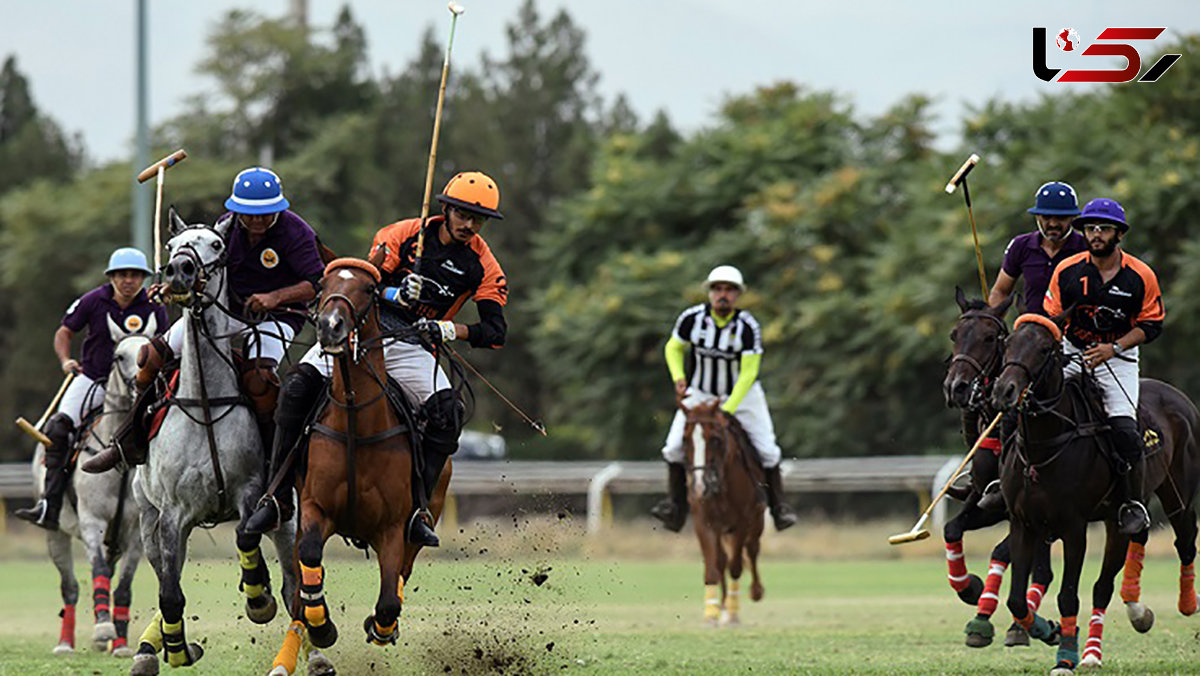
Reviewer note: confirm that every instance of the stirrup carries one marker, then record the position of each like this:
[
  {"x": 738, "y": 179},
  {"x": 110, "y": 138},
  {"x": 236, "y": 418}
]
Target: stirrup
[
  {"x": 266, "y": 502},
  {"x": 1133, "y": 509},
  {"x": 420, "y": 531},
  {"x": 991, "y": 497}
]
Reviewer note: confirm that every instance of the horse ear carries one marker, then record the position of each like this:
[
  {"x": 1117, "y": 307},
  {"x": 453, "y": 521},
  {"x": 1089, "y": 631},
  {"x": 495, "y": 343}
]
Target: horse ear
[
  {"x": 1002, "y": 309},
  {"x": 222, "y": 227},
  {"x": 378, "y": 255},
  {"x": 114, "y": 329},
  {"x": 1065, "y": 318},
  {"x": 150, "y": 326},
  {"x": 174, "y": 222},
  {"x": 960, "y": 297}
]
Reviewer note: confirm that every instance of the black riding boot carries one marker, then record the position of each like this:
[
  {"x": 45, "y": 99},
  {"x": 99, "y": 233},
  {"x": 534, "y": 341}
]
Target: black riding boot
[
  {"x": 1132, "y": 517},
  {"x": 443, "y": 422},
  {"x": 672, "y": 511},
  {"x": 58, "y": 474},
  {"x": 781, "y": 512},
  {"x": 300, "y": 391}
]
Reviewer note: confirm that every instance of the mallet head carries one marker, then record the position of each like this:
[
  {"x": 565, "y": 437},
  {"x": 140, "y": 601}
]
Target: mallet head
[
  {"x": 456, "y": 8},
  {"x": 962, "y": 172}
]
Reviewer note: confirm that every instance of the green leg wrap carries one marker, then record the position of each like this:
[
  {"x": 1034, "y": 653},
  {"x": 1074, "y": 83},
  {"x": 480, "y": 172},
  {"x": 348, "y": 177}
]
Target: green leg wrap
[{"x": 1068, "y": 652}]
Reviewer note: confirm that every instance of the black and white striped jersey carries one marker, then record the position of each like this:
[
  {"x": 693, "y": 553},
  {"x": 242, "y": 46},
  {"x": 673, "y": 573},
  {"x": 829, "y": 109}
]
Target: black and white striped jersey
[{"x": 717, "y": 351}]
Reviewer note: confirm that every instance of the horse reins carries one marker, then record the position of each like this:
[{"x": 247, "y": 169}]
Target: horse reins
[{"x": 983, "y": 371}]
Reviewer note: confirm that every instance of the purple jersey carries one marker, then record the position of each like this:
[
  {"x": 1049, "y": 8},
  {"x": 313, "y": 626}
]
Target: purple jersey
[
  {"x": 285, "y": 256},
  {"x": 1025, "y": 256},
  {"x": 91, "y": 310}
]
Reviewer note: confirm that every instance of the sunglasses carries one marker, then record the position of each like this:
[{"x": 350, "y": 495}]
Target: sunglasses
[
  {"x": 1099, "y": 228},
  {"x": 478, "y": 219}
]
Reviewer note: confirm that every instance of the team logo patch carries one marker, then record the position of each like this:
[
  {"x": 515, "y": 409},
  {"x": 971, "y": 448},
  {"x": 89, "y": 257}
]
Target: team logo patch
[
  {"x": 269, "y": 258},
  {"x": 133, "y": 323}
]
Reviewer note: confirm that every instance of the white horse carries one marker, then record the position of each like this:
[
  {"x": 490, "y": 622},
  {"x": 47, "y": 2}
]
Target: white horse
[
  {"x": 180, "y": 487},
  {"x": 103, "y": 515}
]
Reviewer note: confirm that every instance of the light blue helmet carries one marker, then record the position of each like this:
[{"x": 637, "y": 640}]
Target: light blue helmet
[
  {"x": 127, "y": 258},
  {"x": 256, "y": 190}
]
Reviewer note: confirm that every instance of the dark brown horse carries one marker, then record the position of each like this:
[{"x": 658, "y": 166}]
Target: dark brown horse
[
  {"x": 1057, "y": 478},
  {"x": 360, "y": 466},
  {"x": 978, "y": 351},
  {"x": 724, "y": 480}
]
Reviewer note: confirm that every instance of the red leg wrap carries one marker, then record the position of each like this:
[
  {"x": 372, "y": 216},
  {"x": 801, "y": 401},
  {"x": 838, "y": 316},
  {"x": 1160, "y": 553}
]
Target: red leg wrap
[
  {"x": 1070, "y": 626},
  {"x": 101, "y": 592},
  {"x": 1131, "y": 585},
  {"x": 1187, "y": 589},
  {"x": 67, "y": 633},
  {"x": 1033, "y": 597},
  {"x": 990, "y": 597},
  {"x": 1095, "y": 634},
  {"x": 957, "y": 565}
]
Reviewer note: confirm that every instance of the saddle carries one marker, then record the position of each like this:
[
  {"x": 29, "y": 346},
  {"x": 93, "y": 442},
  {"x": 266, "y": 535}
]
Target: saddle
[
  {"x": 1087, "y": 399},
  {"x": 408, "y": 415},
  {"x": 167, "y": 384}
]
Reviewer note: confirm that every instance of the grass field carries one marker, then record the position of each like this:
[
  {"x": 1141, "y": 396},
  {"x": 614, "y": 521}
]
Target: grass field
[{"x": 474, "y": 608}]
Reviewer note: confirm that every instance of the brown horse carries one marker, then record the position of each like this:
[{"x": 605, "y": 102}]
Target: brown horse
[
  {"x": 360, "y": 466},
  {"x": 724, "y": 479}
]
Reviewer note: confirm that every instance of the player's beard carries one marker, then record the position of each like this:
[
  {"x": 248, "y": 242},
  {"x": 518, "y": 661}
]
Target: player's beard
[{"x": 1105, "y": 250}]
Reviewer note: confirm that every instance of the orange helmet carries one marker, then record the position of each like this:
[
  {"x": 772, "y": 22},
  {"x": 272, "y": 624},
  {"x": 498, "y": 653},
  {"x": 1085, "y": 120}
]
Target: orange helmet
[{"x": 473, "y": 191}]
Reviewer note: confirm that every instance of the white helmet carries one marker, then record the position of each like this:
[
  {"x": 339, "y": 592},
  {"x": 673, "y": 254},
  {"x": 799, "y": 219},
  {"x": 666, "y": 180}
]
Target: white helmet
[{"x": 727, "y": 274}]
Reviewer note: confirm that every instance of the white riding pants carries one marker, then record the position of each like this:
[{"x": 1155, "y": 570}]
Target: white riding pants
[
  {"x": 755, "y": 418},
  {"x": 410, "y": 365},
  {"x": 270, "y": 341},
  {"x": 1120, "y": 380},
  {"x": 82, "y": 395}
]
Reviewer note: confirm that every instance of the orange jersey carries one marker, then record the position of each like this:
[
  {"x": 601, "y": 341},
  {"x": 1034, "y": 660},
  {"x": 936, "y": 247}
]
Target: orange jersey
[
  {"x": 451, "y": 273},
  {"x": 1105, "y": 311}
]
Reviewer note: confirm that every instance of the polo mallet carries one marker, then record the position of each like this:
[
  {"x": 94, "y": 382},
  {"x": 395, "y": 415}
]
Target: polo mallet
[
  {"x": 960, "y": 177},
  {"x": 158, "y": 169},
  {"x": 920, "y": 533},
  {"x": 455, "y": 10},
  {"x": 35, "y": 431}
]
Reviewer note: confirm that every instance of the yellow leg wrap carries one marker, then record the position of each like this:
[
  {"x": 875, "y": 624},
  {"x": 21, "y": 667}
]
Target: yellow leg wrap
[
  {"x": 400, "y": 590},
  {"x": 289, "y": 652},
  {"x": 253, "y": 591},
  {"x": 176, "y": 658},
  {"x": 311, "y": 576},
  {"x": 314, "y": 615},
  {"x": 733, "y": 598},
  {"x": 249, "y": 560},
  {"x": 153, "y": 632},
  {"x": 712, "y": 601}
]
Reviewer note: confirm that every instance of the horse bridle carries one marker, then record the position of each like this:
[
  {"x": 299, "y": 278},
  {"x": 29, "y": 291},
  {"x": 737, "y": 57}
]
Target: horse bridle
[
  {"x": 204, "y": 272},
  {"x": 983, "y": 371},
  {"x": 712, "y": 462},
  {"x": 360, "y": 317}
]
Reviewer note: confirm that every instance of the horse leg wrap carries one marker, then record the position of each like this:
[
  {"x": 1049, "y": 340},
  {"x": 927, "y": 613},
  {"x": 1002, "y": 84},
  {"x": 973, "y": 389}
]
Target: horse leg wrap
[
  {"x": 990, "y": 597},
  {"x": 312, "y": 595},
  {"x": 101, "y": 593},
  {"x": 289, "y": 652},
  {"x": 712, "y": 601},
  {"x": 1131, "y": 584},
  {"x": 1187, "y": 589},
  {"x": 400, "y": 589},
  {"x": 1068, "y": 646},
  {"x": 733, "y": 598},
  {"x": 1034, "y": 596},
  {"x": 175, "y": 644},
  {"x": 379, "y": 634},
  {"x": 152, "y": 636},
  {"x": 253, "y": 582},
  {"x": 1095, "y": 634},
  {"x": 66, "y": 634},
  {"x": 121, "y": 620},
  {"x": 958, "y": 566}
]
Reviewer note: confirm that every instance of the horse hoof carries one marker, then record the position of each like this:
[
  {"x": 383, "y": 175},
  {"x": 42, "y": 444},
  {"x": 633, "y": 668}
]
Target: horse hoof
[
  {"x": 319, "y": 665},
  {"x": 104, "y": 632},
  {"x": 323, "y": 636},
  {"x": 64, "y": 649},
  {"x": 970, "y": 593},
  {"x": 1141, "y": 617},
  {"x": 1187, "y": 607},
  {"x": 728, "y": 620},
  {"x": 1090, "y": 661},
  {"x": 100, "y": 646},
  {"x": 1062, "y": 671},
  {"x": 144, "y": 664},
  {"x": 122, "y": 652},
  {"x": 262, "y": 609},
  {"x": 377, "y": 638},
  {"x": 756, "y": 592},
  {"x": 1016, "y": 636}
]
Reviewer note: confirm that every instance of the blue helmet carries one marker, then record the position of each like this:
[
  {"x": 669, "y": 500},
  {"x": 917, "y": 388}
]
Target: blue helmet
[
  {"x": 127, "y": 258},
  {"x": 257, "y": 190},
  {"x": 1102, "y": 210},
  {"x": 1055, "y": 199}
]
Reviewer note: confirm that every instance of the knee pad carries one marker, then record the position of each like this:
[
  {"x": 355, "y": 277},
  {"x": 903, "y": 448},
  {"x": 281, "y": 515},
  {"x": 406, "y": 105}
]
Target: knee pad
[
  {"x": 443, "y": 416},
  {"x": 260, "y": 383},
  {"x": 59, "y": 429},
  {"x": 150, "y": 360},
  {"x": 298, "y": 393}
]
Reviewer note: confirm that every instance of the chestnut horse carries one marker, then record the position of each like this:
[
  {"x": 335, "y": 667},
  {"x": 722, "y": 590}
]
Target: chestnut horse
[
  {"x": 359, "y": 467},
  {"x": 724, "y": 482},
  {"x": 1057, "y": 478}
]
